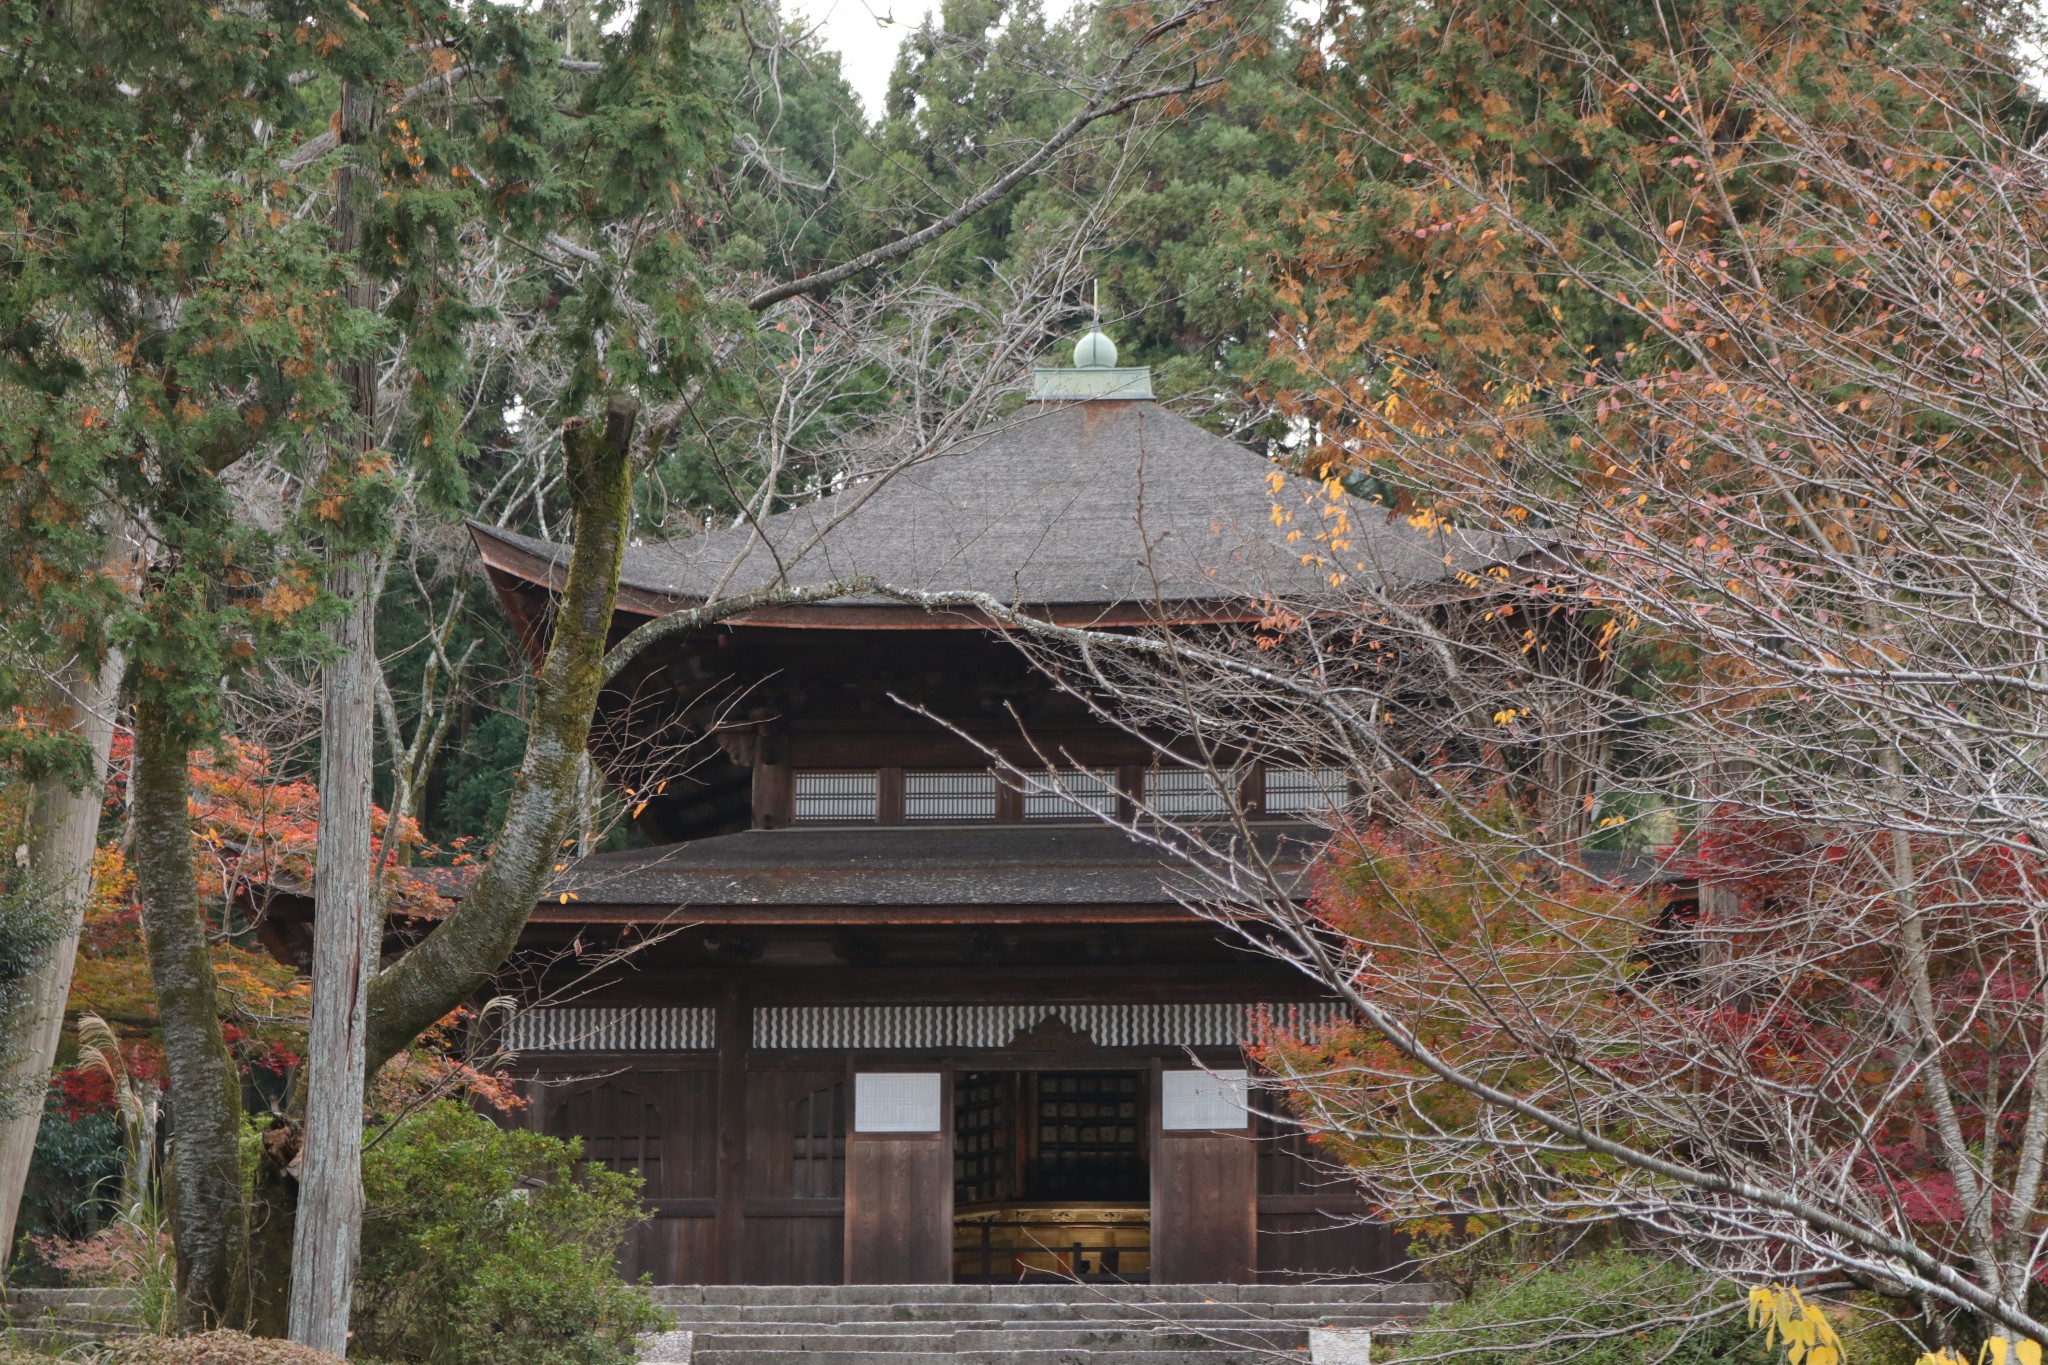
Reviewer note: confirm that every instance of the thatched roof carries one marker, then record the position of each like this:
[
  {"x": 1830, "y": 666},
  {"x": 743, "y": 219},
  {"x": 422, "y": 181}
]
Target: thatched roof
[{"x": 1092, "y": 502}]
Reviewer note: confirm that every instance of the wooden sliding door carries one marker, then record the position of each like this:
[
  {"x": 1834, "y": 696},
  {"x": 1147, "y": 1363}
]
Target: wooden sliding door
[
  {"x": 1205, "y": 1187},
  {"x": 899, "y": 1179}
]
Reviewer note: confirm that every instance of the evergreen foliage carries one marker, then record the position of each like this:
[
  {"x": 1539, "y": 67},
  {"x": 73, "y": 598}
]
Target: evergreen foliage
[
  {"x": 29, "y": 925},
  {"x": 491, "y": 1246},
  {"x": 1612, "y": 1308}
]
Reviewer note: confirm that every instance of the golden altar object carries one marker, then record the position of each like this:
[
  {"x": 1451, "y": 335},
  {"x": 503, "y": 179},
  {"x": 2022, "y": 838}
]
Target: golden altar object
[{"x": 1024, "y": 1241}]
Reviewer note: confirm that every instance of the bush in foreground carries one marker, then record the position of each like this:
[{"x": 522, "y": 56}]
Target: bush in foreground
[
  {"x": 1609, "y": 1309},
  {"x": 488, "y": 1246}
]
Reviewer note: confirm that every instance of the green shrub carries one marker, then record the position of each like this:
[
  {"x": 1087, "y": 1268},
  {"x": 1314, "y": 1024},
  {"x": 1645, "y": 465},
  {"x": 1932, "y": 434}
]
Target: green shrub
[
  {"x": 487, "y": 1246},
  {"x": 1610, "y": 1309}
]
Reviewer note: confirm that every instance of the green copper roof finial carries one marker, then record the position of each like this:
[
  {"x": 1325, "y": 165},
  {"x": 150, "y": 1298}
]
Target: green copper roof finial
[
  {"x": 1095, "y": 351},
  {"x": 1095, "y": 374}
]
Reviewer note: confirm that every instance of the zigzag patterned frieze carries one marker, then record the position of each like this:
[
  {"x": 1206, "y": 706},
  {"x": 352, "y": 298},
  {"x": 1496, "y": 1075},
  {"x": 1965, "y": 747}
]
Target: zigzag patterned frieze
[
  {"x": 613, "y": 1028},
  {"x": 693, "y": 1028},
  {"x": 1207, "y": 1024}
]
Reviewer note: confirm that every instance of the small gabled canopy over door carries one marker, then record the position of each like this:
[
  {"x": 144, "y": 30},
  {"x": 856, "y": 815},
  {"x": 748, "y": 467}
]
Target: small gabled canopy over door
[
  {"x": 899, "y": 1179},
  {"x": 1205, "y": 1181}
]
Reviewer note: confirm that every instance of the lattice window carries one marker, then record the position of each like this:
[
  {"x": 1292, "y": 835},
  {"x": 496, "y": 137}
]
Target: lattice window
[
  {"x": 1293, "y": 791},
  {"x": 949, "y": 796},
  {"x": 983, "y": 1137},
  {"x": 1089, "y": 1137},
  {"x": 1180, "y": 792},
  {"x": 1071, "y": 794},
  {"x": 817, "y": 1125},
  {"x": 620, "y": 1126},
  {"x": 835, "y": 797}
]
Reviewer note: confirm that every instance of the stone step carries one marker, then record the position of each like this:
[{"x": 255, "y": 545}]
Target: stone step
[
  {"x": 1219, "y": 1328},
  {"x": 677, "y": 1295},
  {"x": 824, "y": 1358},
  {"x": 766, "y": 1316},
  {"x": 1130, "y": 1336},
  {"x": 1212, "y": 1356},
  {"x": 53, "y": 1321},
  {"x": 1126, "y": 1339},
  {"x": 940, "y": 1343},
  {"x": 753, "y": 1356},
  {"x": 51, "y": 1341}
]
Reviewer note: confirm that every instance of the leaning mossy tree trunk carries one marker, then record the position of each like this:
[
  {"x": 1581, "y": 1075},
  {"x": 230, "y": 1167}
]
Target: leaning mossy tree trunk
[
  {"x": 457, "y": 958},
  {"x": 208, "y": 1204}
]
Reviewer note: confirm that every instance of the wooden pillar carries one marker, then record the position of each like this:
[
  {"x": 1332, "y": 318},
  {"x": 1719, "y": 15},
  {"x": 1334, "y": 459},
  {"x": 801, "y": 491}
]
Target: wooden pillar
[
  {"x": 774, "y": 780},
  {"x": 1251, "y": 790},
  {"x": 889, "y": 796},
  {"x": 1009, "y": 801},
  {"x": 1130, "y": 789},
  {"x": 729, "y": 1192}
]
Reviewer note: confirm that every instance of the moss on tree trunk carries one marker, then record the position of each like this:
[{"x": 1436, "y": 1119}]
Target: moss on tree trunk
[
  {"x": 454, "y": 961},
  {"x": 208, "y": 1205}
]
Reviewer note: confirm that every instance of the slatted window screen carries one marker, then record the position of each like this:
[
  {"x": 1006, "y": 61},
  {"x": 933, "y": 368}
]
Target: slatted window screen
[
  {"x": 1294, "y": 791},
  {"x": 832, "y": 797},
  {"x": 1070, "y": 794},
  {"x": 817, "y": 1124},
  {"x": 620, "y": 1126},
  {"x": 1181, "y": 792},
  {"x": 967, "y": 796}
]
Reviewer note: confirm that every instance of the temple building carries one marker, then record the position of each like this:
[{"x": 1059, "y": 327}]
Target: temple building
[{"x": 894, "y": 1015}]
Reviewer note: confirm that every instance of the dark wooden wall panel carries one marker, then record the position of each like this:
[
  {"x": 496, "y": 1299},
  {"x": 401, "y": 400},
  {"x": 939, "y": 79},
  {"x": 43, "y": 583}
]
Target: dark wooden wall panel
[
  {"x": 1312, "y": 1216},
  {"x": 795, "y": 1174},
  {"x": 899, "y": 1208},
  {"x": 786, "y": 1249},
  {"x": 1326, "y": 1244},
  {"x": 796, "y": 1134},
  {"x": 690, "y": 1106},
  {"x": 669, "y": 1250},
  {"x": 695, "y": 1245},
  {"x": 662, "y": 1124},
  {"x": 1204, "y": 1208}
]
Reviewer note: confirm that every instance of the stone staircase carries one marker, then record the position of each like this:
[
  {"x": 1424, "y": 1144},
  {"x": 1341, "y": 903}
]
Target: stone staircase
[
  {"x": 55, "y": 1319},
  {"x": 1030, "y": 1324}
]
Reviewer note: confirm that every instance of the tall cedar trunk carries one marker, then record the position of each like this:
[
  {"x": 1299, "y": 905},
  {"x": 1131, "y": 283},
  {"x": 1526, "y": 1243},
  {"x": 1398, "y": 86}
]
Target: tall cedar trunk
[
  {"x": 327, "y": 1231},
  {"x": 209, "y": 1217},
  {"x": 458, "y": 957},
  {"x": 447, "y": 967},
  {"x": 63, "y": 831}
]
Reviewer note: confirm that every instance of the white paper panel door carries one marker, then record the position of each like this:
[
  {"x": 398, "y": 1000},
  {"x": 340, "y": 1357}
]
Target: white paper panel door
[
  {"x": 896, "y": 1102},
  {"x": 1203, "y": 1099}
]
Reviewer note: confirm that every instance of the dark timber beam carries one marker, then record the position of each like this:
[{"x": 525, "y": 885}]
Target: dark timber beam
[{"x": 729, "y": 1226}]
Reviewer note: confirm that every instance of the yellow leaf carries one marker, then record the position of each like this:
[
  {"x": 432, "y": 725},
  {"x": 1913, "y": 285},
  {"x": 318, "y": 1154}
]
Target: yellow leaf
[{"x": 1995, "y": 1352}]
